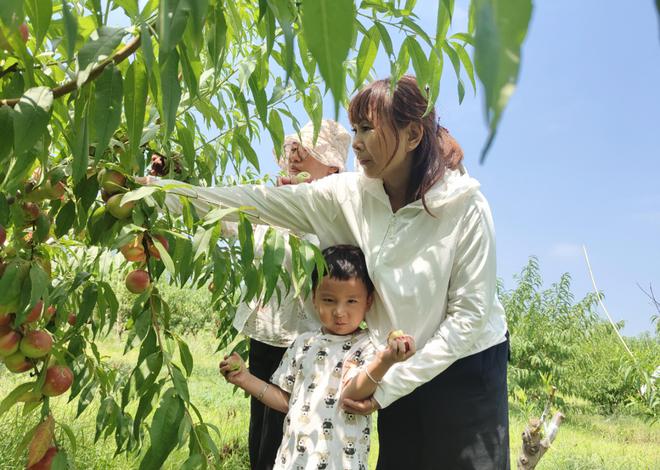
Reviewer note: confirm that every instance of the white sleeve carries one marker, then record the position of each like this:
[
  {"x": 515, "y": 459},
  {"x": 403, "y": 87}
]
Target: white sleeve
[
  {"x": 470, "y": 299},
  {"x": 306, "y": 208}
]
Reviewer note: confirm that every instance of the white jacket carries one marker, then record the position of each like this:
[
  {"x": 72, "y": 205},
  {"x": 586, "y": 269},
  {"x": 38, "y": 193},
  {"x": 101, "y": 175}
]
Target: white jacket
[{"x": 435, "y": 276}]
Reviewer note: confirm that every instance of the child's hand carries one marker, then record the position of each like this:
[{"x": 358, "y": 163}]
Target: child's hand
[
  {"x": 400, "y": 347},
  {"x": 233, "y": 369}
]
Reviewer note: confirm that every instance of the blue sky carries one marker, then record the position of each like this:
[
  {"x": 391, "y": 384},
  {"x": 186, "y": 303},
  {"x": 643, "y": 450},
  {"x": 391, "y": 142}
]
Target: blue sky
[{"x": 576, "y": 160}]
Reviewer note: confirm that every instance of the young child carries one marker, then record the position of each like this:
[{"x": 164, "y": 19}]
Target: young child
[{"x": 322, "y": 367}]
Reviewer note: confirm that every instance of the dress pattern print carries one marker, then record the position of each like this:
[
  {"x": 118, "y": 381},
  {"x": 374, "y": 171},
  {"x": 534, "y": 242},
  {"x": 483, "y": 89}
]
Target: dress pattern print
[{"x": 318, "y": 434}]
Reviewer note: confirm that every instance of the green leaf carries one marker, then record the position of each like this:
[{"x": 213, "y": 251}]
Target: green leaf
[
  {"x": 65, "y": 218},
  {"x": 366, "y": 55},
  {"x": 108, "y": 95},
  {"x": 89, "y": 297},
  {"x": 135, "y": 102},
  {"x": 173, "y": 18},
  {"x": 218, "y": 36},
  {"x": 281, "y": 10},
  {"x": 12, "y": 12},
  {"x": 186, "y": 356},
  {"x": 130, "y": 7},
  {"x": 164, "y": 256},
  {"x": 198, "y": 9},
  {"x": 328, "y": 29},
  {"x": 69, "y": 434},
  {"x": 140, "y": 193},
  {"x": 456, "y": 62},
  {"x": 246, "y": 239},
  {"x": 420, "y": 64},
  {"x": 276, "y": 129},
  {"x": 185, "y": 137},
  {"x": 219, "y": 213},
  {"x": 385, "y": 38},
  {"x": 247, "y": 150},
  {"x": 171, "y": 95},
  {"x": 163, "y": 431},
  {"x": 272, "y": 260},
  {"x": 445, "y": 12},
  {"x": 97, "y": 49},
  {"x": 39, "y": 282},
  {"x": 12, "y": 398},
  {"x": 80, "y": 143},
  {"x": 467, "y": 63},
  {"x": 70, "y": 29},
  {"x": 402, "y": 61},
  {"x": 4, "y": 210},
  {"x": 6, "y": 132},
  {"x": 500, "y": 29},
  {"x": 31, "y": 117},
  {"x": 39, "y": 12},
  {"x": 180, "y": 383}
]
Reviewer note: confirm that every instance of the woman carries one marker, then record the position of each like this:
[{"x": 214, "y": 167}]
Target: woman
[{"x": 427, "y": 235}]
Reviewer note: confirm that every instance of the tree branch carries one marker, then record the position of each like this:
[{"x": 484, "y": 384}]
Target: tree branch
[{"x": 72, "y": 85}]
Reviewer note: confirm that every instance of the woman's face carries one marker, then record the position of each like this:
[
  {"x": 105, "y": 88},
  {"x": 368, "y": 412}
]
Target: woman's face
[
  {"x": 374, "y": 151},
  {"x": 300, "y": 160}
]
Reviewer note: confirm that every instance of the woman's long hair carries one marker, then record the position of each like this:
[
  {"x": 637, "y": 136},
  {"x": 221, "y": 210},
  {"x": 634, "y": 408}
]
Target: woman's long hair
[{"x": 384, "y": 108}]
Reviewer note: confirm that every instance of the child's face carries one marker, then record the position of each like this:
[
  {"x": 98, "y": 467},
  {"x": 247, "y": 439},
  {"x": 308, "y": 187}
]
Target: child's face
[{"x": 341, "y": 305}]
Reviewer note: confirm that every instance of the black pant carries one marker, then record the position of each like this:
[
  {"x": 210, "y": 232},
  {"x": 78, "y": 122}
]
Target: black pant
[
  {"x": 266, "y": 424},
  {"x": 457, "y": 421}
]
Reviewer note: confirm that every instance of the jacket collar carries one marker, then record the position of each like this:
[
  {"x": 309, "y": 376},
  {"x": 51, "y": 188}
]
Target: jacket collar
[{"x": 454, "y": 184}]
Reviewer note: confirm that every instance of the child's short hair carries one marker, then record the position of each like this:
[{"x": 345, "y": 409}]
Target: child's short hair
[{"x": 345, "y": 262}]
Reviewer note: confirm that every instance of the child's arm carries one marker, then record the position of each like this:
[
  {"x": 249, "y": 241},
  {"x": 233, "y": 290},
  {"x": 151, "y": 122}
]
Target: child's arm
[
  {"x": 363, "y": 385},
  {"x": 234, "y": 370}
]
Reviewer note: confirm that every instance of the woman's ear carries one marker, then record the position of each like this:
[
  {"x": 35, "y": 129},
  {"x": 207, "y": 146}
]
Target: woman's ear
[
  {"x": 415, "y": 134},
  {"x": 370, "y": 300}
]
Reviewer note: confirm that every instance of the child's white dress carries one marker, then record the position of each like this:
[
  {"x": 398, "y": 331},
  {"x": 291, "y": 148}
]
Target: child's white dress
[{"x": 318, "y": 434}]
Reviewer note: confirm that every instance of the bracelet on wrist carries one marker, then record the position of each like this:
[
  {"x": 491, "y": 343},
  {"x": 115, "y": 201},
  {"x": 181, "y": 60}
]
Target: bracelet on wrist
[
  {"x": 261, "y": 395},
  {"x": 377, "y": 382}
]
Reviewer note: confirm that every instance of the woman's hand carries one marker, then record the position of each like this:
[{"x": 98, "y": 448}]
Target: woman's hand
[
  {"x": 233, "y": 369},
  {"x": 360, "y": 407}
]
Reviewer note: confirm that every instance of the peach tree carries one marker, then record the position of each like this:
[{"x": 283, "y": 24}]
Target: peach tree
[{"x": 96, "y": 92}]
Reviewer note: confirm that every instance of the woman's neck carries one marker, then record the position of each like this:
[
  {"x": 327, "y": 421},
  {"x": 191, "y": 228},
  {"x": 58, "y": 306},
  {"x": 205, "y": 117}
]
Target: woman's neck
[{"x": 396, "y": 187}]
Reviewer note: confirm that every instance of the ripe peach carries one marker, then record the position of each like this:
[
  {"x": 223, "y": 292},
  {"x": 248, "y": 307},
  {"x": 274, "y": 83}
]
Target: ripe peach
[
  {"x": 54, "y": 190},
  {"x": 9, "y": 343},
  {"x": 47, "y": 460},
  {"x": 134, "y": 251},
  {"x": 137, "y": 281},
  {"x": 58, "y": 380},
  {"x": 36, "y": 344},
  {"x": 111, "y": 181},
  {"x": 3, "y": 235},
  {"x": 71, "y": 319},
  {"x": 31, "y": 211},
  {"x": 51, "y": 311},
  {"x": 5, "y": 319},
  {"x": 17, "y": 363},
  {"x": 24, "y": 32},
  {"x": 117, "y": 209},
  {"x": 35, "y": 313}
]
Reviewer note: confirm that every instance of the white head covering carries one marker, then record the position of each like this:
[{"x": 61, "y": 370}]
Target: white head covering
[{"x": 331, "y": 147}]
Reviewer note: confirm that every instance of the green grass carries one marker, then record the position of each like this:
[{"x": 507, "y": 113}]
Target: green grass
[{"x": 585, "y": 441}]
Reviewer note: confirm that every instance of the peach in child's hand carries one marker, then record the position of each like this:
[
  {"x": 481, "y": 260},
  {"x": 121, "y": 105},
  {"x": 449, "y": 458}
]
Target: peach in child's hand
[{"x": 397, "y": 335}]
